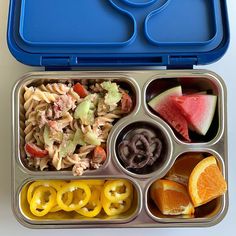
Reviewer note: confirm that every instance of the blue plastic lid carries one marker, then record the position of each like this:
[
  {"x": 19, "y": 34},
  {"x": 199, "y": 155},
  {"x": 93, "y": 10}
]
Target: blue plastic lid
[{"x": 117, "y": 32}]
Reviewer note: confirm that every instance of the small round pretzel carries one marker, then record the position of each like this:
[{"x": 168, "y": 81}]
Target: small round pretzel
[{"x": 140, "y": 151}]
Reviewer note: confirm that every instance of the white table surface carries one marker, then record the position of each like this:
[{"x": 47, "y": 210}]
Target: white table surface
[{"x": 10, "y": 72}]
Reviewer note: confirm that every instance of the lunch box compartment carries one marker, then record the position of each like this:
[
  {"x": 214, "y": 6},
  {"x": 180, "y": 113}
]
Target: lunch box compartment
[
  {"x": 211, "y": 211},
  {"x": 36, "y": 80},
  {"x": 66, "y": 218},
  {"x": 208, "y": 84},
  {"x": 155, "y": 130}
]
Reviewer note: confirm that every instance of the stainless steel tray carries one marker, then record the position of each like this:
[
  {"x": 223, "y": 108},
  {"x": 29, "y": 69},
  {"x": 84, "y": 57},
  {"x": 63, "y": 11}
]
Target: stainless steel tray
[{"x": 141, "y": 214}]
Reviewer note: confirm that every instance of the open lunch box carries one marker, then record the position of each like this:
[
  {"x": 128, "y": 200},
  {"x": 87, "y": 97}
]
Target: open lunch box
[{"x": 138, "y": 145}]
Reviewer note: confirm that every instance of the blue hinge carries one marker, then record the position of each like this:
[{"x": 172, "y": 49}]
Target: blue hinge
[
  {"x": 182, "y": 62},
  {"x": 56, "y": 63}
]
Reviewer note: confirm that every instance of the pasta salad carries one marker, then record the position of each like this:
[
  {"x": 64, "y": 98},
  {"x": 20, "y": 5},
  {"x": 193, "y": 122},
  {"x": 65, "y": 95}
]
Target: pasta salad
[{"x": 67, "y": 124}]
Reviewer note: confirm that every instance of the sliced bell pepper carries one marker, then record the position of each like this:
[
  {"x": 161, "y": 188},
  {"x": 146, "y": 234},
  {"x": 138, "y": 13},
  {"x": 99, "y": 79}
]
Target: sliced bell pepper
[
  {"x": 67, "y": 198},
  {"x": 94, "y": 206},
  {"x": 34, "y": 151},
  {"x": 117, "y": 190},
  {"x": 80, "y": 90},
  {"x": 115, "y": 208},
  {"x": 44, "y": 198},
  {"x": 56, "y": 184},
  {"x": 126, "y": 103},
  {"x": 99, "y": 155},
  {"x": 81, "y": 195}
]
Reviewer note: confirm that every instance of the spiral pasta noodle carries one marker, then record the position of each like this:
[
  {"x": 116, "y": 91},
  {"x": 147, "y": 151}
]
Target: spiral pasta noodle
[
  {"x": 48, "y": 97},
  {"x": 56, "y": 88},
  {"x": 74, "y": 95}
]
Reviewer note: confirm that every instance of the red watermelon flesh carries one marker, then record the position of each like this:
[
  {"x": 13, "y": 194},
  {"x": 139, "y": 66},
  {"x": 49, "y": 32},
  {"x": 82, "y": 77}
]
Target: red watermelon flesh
[
  {"x": 165, "y": 106},
  {"x": 198, "y": 110}
]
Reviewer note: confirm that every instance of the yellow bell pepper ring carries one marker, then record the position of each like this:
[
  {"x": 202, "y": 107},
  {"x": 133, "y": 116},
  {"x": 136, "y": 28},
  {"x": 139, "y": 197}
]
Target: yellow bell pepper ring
[
  {"x": 95, "y": 194},
  {"x": 44, "y": 198},
  {"x": 117, "y": 190},
  {"x": 91, "y": 209},
  {"x": 94, "y": 206},
  {"x": 67, "y": 198},
  {"x": 56, "y": 208},
  {"x": 81, "y": 196},
  {"x": 115, "y": 208},
  {"x": 56, "y": 184}
]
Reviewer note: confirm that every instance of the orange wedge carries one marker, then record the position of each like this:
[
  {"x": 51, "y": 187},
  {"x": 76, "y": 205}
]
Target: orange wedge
[
  {"x": 183, "y": 167},
  {"x": 206, "y": 182},
  {"x": 171, "y": 198}
]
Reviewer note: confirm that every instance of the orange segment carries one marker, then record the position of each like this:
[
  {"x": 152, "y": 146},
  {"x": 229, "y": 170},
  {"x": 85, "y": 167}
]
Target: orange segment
[
  {"x": 206, "y": 182},
  {"x": 171, "y": 198},
  {"x": 183, "y": 167}
]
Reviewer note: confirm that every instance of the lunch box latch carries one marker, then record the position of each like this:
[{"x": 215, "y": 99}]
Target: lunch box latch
[
  {"x": 182, "y": 62},
  {"x": 52, "y": 62}
]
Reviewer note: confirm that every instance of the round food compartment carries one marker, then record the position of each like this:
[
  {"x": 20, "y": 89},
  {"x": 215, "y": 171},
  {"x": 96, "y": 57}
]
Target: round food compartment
[
  {"x": 143, "y": 149},
  {"x": 79, "y": 201},
  {"x": 37, "y": 95},
  {"x": 174, "y": 197},
  {"x": 193, "y": 107}
]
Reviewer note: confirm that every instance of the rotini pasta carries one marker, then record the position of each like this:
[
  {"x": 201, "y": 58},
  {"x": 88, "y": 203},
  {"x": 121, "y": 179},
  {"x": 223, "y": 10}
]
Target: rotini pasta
[
  {"x": 56, "y": 88},
  {"x": 65, "y": 124},
  {"x": 48, "y": 97},
  {"x": 74, "y": 95}
]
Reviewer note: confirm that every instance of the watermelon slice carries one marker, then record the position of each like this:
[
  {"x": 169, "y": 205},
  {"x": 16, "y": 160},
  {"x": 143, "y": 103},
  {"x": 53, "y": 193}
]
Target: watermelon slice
[
  {"x": 198, "y": 110},
  {"x": 165, "y": 106}
]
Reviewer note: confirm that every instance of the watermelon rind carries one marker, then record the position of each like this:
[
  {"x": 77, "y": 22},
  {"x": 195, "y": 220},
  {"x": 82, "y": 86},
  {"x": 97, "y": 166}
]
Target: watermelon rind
[{"x": 161, "y": 98}]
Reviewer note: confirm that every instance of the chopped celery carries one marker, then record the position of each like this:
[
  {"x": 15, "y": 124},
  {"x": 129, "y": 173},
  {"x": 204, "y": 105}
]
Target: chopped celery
[
  {"x": 70, "y": 145},
  {"x": 91, "y": 138},
  {"x": 113, "y": 95},
  {"x": 82, "y": 110},
  {"x": 84, "y": 113},
  {"x": 46, "y": 136},
  {"x": 79, "y": 138},
  {"x": 67, "y": 148}
]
